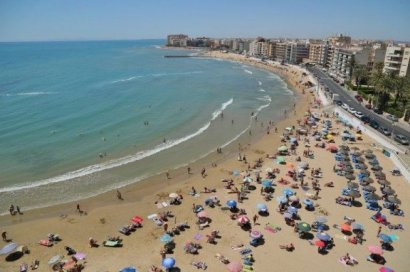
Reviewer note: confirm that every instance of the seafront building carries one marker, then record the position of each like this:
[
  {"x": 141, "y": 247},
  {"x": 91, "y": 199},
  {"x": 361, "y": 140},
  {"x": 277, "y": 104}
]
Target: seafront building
[
  {"x": 178, "y": 40},
  {"x": 397, "y": 60}
]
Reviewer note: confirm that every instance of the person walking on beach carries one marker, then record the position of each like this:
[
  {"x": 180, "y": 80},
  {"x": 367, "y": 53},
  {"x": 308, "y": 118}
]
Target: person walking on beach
[
  {"x": 119, "y": 196},
  {"x": 379, "y": 231},
  {"x": 189, "y": 170},
  {"x": 203, "y": 173},
  {"x": 167, "y": 175},
  {"x": 78, "y": 208},
  {"x": 255, "y": 219},
  {"x": 18, "y": 210},
  {"x": 4, "y": 236}
]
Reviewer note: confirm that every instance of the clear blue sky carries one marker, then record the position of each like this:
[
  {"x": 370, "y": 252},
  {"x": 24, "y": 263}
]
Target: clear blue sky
[{"x": 39, "y": 20}]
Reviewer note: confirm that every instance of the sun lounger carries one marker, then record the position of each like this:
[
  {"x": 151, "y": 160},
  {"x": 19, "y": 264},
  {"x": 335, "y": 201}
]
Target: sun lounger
[
  {"x": 109, "y": 243},
  {"x": 46, "y": 243}
]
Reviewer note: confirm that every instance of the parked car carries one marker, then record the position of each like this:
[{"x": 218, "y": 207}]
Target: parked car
[
  {"x": 365, "y": 119},
  {"x": 345, "y": 106},
  {"x": 338, "y": 102},
  {"x": 358, "y": 114},
  {"x": 385, "y": 131},
  {"x": 351, "y": 110},
  {"x": 393, "y": 118},
  {"x": 359, "y": 98},
  {"x": 401, "y": 139},
  {"x": 374, "y": 124},
  {"x": 377, "y": 110}
]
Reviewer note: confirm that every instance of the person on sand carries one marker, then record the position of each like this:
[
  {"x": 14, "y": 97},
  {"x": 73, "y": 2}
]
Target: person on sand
[
  {"x": 189, "y": 170},
  {"x": 35, "y": 264},
  {"x": 92, "y": 242},
  {"x": 4, "y": 236},
  {"x": 203, "y": 172},
  {"x": 255, "y": 219},
  {"x": 119, "y": 196},
  {"x": 379, "y": 231},
  {"x": 288, "y": 247},
  {"x": 167, "y": 175},
  {"x": 78, "y": 208},
  {"x": 163, "y": 253}
]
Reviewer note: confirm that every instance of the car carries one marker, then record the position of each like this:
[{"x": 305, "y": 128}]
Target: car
[
  {"x": 359, "y": 98},
  {"x": 374, "y": 124},
  {"x": 393, "y": 118},
  {"x": 365, "y": 119},
  {"x": 338, "y": 102},
  {"x": 377, "y": 110},
  {"x": 345, "y": 106},
  {"x": 358, "y": 114},
  {"x": 351, "y": 110},
  {"x": 401, "y": 139},
  {"x": 385, "y": 131}
]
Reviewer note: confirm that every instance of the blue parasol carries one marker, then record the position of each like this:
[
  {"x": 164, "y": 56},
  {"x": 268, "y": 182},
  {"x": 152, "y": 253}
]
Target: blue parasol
[
  {"x": 308, "y": 202},
  {"x": 385, "y": 238},
  {"x": 321, "y": 219},
  {"x": 231, "y": 203},
  {"x": 266, "y": 183},
  {"x": 282, "y": 199},
  {"x": 261, "y": 207},
  {"x": 357, "y": 226},
  {"x": 323, "y": 236},
  {"x": 292, "y": 210},
  {"x": 287, "y": 215},
  {"x": 288, "y": 192},
  {"x": 166, "y": 238},
  {"x": 8, "y": 248},
  {"x": 168, "y": 262}
]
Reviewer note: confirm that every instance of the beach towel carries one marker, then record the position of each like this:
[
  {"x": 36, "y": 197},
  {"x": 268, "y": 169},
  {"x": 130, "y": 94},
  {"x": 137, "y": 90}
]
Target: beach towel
[
  {"x": 270, "y": 229},
  {"x": 198, "y": 236}
]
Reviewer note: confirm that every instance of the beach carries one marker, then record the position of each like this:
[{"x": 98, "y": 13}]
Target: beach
[{"x": 103, "y": 215}]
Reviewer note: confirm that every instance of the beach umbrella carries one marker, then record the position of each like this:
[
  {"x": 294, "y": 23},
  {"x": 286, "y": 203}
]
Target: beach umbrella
[
  {"x": 369, "y": 188},
  {"x": 394, "y": 237},
  {"x": 321, "y": 219},
  {"x": 393, "y": 199},
  {"x": 320, "y": 243},
  {"x": 166, "y": 238},
  {"x": 231, "y": 203},
  {"x": 247, "y": 179},
  {"x": 287, "y": 215},
  {"x": 293, "y": 140},
  {"x": 280, "y": 159},
  {"x": 376, "y": 167},
  {"x": 350, "y": 177},
  {"x": 234, "y": 267},
  {"x": 308, "y": 202},
  {"x": 357, "y": 226},
  {"x": 80, "y": 256},
  {"x": 385, "y": 269},
  {"x": 292, "y": 210},
  {"x": 375, "y": 250},
  {"x": 385, "y": 238},
  {"x": 261, "y": 207},
  {"x": 369, "y": 155},
  {"x": 383, "y": 182},
  {"x": 168, "y": 262},
  {"x": 323, "y": 236},
  {"x": 388, "y": 191},
  {"x": 266, "y": 183},
  {"x": 293, "y": 198},
  {"x": 367, "y": 180},
  {"x": 355, "y": 153},
  {"x": 281, "y": 199},
  {"x": 345, "y": 227},
  {"x": 303, "y": 165},
  {"x": 373, "y": 196},
  {"x": 303, "y": 226},
  {"x": 236, "y": 173},
  {"x": 354, "y": 194},
  {"x": 283, "y": 148},
  {"x": 288, "y": 192},
  {"x": 202, "y": 214},
  {"x": 243, "y": 219},
  {"x": 290, "y": 165},
  {"x": 8, "y": 248},
  {"x": 55, "y": 259},
  {"x": 137, "y": 219},
  {"x": 129, "y": 269},
  {"x": 352, "y": 185},
  {"x": 255, "y": 234},
  {"x": 173, "y": 195}
]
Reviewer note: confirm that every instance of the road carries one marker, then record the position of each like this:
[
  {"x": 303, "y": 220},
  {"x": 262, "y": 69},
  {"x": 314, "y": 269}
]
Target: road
[{"x": 352, "y": 102}]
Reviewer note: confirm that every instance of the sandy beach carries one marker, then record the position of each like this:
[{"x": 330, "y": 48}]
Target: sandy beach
[{"x": 105, "y": 214}]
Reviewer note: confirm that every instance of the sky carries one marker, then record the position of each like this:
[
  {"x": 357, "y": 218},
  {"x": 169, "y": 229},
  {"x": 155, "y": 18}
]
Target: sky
[{"x": 45, "y": 20}]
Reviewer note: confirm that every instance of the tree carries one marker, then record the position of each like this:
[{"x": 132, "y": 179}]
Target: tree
[
  {"x": 360, "y": 74},
  {"x": 376, "y": 80}
]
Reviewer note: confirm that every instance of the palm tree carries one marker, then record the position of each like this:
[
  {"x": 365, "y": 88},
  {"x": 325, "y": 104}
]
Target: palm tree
[
  {"x": 376, "y": 80},
  {"x": 360, "y": 73}
]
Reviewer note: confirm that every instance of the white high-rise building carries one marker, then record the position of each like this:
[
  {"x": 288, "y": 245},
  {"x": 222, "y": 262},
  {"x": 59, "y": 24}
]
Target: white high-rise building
[{"x": 396, "y": 60}]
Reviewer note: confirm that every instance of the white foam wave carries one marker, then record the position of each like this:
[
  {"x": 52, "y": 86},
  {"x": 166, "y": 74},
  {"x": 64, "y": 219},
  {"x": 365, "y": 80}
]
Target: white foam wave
[
  {"x": 262, "y": 107},
  {"x": 118, "y": 162},
  {"x": 216, "y": 113},
  {"x": 260, "y": 83},
  {"x": 158, "y": 46},
  {"x": 265, "y": 98},
  {"x": 262, "y": 90},
  {"x": 28, "y": 94},
  {"x": 247, "y": 71},
  {"x": 156, "y": 75}
]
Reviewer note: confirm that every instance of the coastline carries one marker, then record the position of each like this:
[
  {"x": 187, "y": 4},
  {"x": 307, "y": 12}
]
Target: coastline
[{"x": 139, "y": 199}]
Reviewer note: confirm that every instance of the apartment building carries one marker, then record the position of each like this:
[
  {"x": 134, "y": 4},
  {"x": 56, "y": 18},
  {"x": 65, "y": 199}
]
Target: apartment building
[
  {"x": 340, "y": 41},
  {"x": 178, "y": 40},
  {"x": 296, "y": 52},
  {"x": 259, "y": 47},
  {"x": 280, "y": 51},
  {"x": 397, "y": 60},
  {"x": 318, "y": 52}
]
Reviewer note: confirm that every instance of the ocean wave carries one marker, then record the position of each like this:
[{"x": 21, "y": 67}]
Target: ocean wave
[
  {"x": 265, "y": 98},
  {"x": 216, "y": 113},
  {"x": 120, "y": 161},
  {"x": 28, "y": 94},
  {"x": 155, "y": 75},
  {"x": 260, "y": 83},
  {"x": 262, "y": 107},
  {"x": 262, "y": 90},
  {"x": 247, "y": 71}
]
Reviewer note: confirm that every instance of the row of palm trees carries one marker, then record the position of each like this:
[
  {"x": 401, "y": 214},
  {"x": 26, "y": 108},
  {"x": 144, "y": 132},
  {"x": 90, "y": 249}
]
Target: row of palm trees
[{"x": 388, "y": 87}]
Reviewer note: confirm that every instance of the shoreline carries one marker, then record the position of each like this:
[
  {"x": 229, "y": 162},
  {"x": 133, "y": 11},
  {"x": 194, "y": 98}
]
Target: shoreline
[{"x": 154, "y": 182}]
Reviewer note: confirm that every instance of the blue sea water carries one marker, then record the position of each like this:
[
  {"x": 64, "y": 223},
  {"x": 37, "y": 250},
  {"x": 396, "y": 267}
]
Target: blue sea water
[{"x": 63, "y": 105}]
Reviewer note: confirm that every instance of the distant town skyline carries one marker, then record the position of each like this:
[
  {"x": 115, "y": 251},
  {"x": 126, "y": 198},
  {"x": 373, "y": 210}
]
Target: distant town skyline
[{"x": 48, "y": 20}]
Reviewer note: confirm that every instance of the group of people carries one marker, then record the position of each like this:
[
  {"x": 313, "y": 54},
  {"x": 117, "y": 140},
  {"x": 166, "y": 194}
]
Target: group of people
[{"x": 14, "y": 211}]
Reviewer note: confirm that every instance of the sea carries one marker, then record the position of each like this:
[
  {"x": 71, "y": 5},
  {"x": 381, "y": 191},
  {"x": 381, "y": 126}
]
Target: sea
[{"x": 78, "y": 119}]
